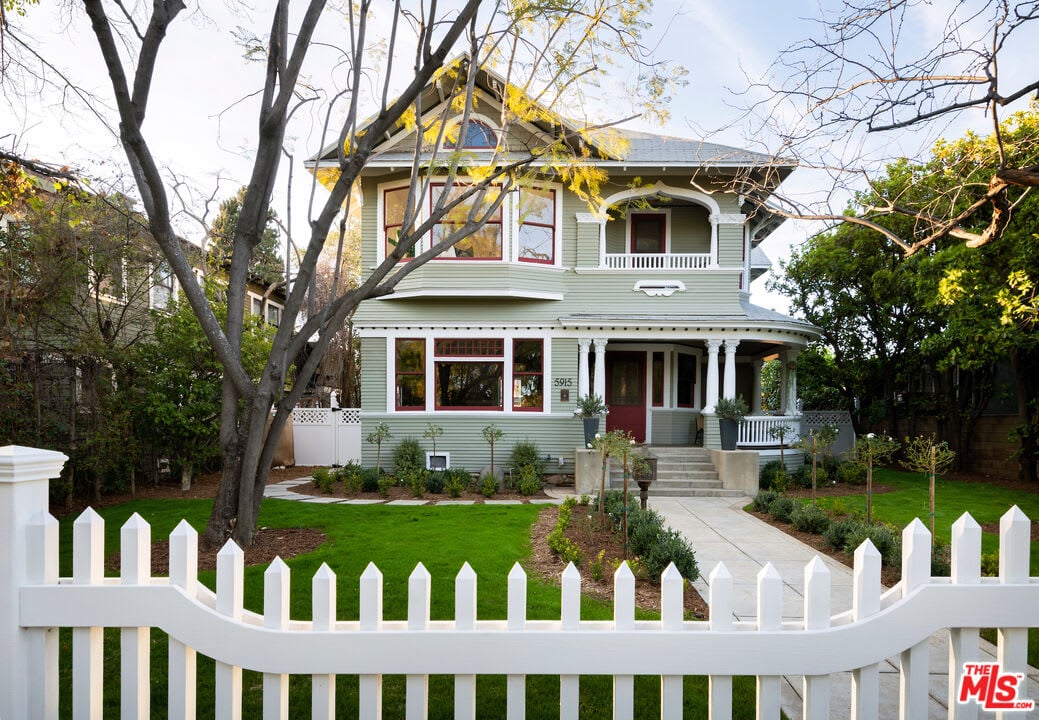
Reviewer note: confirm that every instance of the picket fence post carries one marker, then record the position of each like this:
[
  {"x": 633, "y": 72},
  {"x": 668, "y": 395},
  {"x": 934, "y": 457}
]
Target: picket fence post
[{"x": 26, "y": 691}]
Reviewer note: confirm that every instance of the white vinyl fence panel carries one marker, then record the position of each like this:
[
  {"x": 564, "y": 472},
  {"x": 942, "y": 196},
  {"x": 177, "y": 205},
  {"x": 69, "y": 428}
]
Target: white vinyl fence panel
[{"x": 326, "y": 436}]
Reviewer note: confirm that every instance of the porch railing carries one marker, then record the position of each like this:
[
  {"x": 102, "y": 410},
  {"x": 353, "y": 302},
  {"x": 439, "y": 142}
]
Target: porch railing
[
  {"x": 658, "y": 261},
  {"x": 896, "y": 623},
  {"x": 756, "y": 431}
]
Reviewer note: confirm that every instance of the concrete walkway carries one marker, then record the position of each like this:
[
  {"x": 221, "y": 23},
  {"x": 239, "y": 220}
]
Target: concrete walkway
[{"x": 720, "y": 531}]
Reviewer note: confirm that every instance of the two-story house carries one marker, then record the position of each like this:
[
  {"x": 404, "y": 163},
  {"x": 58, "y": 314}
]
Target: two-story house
[{"x": 642, "y": 300}]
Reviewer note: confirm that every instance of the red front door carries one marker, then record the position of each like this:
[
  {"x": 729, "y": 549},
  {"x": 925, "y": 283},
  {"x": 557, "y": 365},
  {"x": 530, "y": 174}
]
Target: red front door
[{"x": 626, "y": 393}]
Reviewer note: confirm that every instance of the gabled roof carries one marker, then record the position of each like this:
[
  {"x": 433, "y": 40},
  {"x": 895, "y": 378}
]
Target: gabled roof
[{"x": 614, "y": 146}]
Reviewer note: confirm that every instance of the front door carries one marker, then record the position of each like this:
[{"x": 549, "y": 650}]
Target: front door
[{"x": 626, "y": 393}]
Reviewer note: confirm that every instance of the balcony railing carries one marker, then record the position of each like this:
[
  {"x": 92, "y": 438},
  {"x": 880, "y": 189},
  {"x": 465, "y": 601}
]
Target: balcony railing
[
  {"x": 658, "y": 261},
  {"x": 756, "y": 431}
]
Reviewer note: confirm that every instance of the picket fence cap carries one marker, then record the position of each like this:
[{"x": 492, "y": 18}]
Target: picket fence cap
[{"x": 25, "y": 464}]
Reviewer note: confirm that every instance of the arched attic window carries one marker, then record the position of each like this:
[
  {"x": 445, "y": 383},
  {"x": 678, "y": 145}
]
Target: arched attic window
[{"x": 476, "y": 135}]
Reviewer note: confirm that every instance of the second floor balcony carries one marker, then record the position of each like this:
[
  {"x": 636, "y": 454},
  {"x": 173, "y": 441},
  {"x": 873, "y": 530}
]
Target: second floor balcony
[{"x": 658, "y": 261}]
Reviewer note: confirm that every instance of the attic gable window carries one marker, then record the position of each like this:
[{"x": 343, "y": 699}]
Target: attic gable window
[{"x": 476, "y": 136}]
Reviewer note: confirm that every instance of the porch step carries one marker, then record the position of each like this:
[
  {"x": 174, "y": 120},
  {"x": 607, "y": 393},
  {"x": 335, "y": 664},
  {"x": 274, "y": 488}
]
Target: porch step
[{"x": 681, "y": 472}]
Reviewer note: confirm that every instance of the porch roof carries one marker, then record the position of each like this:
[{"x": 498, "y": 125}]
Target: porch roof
[{"x": 752, "y": 317}]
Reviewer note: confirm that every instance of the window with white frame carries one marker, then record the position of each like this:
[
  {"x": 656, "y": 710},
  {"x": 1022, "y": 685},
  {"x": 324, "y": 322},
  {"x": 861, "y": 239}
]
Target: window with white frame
[
  {"x": 162, "y": 293},
  {"x": 529, "y": 217},
  {"x": 273, "y": 313},
  {"x": 469, "y": 374}
]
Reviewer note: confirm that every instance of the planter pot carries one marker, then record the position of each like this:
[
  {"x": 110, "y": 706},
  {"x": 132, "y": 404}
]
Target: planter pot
[
  {"x": 730, "y": 432},
  {"x": 591, "y": 426}
]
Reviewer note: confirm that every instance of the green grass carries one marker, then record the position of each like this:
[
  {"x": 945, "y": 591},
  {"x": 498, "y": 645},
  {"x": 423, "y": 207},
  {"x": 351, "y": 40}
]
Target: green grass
[
  {"x": 986, "y": 504},
  {"x": 490, "y": 538}
]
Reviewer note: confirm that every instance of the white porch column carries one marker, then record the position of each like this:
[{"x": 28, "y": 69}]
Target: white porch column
[
  {"x": 791, "y": 361},
  {"x": 730, "y": 368},
  {"x": 582, "y": 366},
  {"x": 782, "y": 384},
  {"x": 600, "y": 368},
  {"x": 712, "y": 376},
  {"x": 755, "y": 404}
]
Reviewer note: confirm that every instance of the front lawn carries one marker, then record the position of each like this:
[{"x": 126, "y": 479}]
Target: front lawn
[{"x": 490, "y": 538}]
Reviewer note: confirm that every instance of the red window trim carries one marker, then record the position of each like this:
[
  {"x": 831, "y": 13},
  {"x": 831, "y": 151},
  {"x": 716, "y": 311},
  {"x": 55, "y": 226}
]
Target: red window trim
[
  {"x": 500, "y": 407},
  {"x": 397, "y": 373},
  {"x": 552, "y": 226},
  {"x": 540, "y": 374},
  {"x": 386, "y": 227}
]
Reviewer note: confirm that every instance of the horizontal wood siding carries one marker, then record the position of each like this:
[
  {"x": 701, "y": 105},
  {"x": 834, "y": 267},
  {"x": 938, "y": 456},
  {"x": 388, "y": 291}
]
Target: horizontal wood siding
[
  {"x": 556, "y": 435},
  {"x": 730, "y": 246},
  {"x": 673, "y": 427},
  {"x": 564, "y": 368},
  {"x": 373, "y": 374},
  {"x": 690, "y": 230}
]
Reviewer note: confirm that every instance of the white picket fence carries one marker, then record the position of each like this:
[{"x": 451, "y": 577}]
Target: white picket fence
[{"x": 34, "y": 601}]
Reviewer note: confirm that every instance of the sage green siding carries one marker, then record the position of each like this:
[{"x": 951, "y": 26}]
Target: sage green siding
[
  {"x": 730, "y": 245},
  {"x": 690, "y": 230},
  {"x": 373, "y": 371}
]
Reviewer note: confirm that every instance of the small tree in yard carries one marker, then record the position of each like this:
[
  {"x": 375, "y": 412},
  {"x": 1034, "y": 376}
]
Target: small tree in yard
[
  {"x": 433, "y": 431},
  {"x": 376, "y": 437},
  {"x": 926, "y": 455},
  {"x": 492, "y": 434},
  {"x": 615, "y": 443},
  {"x": 781, "y": 432},
  {"x": 817, "y": 444},
  {"x": 869, "y": 451}
]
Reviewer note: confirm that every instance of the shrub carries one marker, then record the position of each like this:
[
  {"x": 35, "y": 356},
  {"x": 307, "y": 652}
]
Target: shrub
[
  {"x": 670, "y": 547},
  {"x": 351, "y": 476},
  {"x": 324, "y": 479},
  {"x": 435, "y": 481},
  {"x": 408, "y": 456},
  {"x": 764, "y": 499},
  {"x": 851, "y": 473},
  {"x": 526, "y": 454},
  {"x": 836, "y": 536},
  {"x": 370, "y": 478},
  {"x": 488, "y": 485},
  {"x": 416, "y": 480},
  {"x": 564, "y": 547},
  {"x": 781, "y": 508},
  {"x": 585, "y": 500},
  {"x": 454, "y": 487},
  {"x": 884, "y": 538},
  {"x": 596, "y": 566},
  {"x": 384, "y": 484},
  {"x": 529, "y": 480},
  {"x": 770, "y": 471},
  {"x": 990, "y": 564},
  {"x": 809, "y": 517},
  {"x": 644, "y": 530},
  {"x": 941, "y": 558}
]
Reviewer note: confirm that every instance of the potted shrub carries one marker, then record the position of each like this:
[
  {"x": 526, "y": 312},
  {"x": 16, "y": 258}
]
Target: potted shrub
[
  {"x": 730, "y": 413},
  {"x": 590, "y": 408}
]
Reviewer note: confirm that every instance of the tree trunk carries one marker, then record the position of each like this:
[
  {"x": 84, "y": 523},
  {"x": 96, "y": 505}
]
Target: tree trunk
[
  {"x": 1023, "y": 364},
  {"x": 185, "y": 476}
]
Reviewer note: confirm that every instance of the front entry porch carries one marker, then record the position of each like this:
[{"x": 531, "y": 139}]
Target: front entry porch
[{"x": 663, "y": 393}]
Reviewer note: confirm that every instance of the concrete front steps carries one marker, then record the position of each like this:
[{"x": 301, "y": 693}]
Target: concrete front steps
[{"x": 681, "y": 472}]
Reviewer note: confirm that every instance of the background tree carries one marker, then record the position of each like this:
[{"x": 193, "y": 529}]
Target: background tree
[
  {"x": 267, "y": 264},
  {"x": 879, "y": 67},
  {"x": 545, "y": 51}
]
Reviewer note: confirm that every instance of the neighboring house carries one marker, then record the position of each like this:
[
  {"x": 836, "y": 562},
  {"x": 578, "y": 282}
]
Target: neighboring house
[{"x": 643, "y": 300}]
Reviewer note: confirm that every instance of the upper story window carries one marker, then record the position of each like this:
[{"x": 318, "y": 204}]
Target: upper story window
[
  {"x": 273, "y": 314},
  {"x": 476, "y": 135},
  {"x": 109, "y": 276},
  {"x": 536, "y": 236},
  {"x": 484, "y": 243},
  {"x": 162, "y": 286},
  {"x": 256, "y": 306},
  {"x": 524, "y": 227},
  {"x": 394, "y": 204}
]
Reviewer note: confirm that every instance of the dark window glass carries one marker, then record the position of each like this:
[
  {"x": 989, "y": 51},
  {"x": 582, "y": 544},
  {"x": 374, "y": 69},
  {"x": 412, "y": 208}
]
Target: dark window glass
[
  {"x": 686, "y": 379},
  {"x": 658, "y": 379},
  {"x": 411, "y": 374},
  {"x": 527, "y": 375},
  {"x": 462, "y": 385}
]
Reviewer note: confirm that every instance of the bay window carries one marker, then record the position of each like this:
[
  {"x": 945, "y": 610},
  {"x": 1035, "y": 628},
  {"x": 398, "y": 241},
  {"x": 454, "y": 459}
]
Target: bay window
[
  {"x": 482, "y": 244},
  {"x": 535, "y": 238}
]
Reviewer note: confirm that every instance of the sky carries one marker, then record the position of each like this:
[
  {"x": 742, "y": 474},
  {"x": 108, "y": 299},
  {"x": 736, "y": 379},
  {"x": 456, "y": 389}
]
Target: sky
[{"x": 200, "y": 133}]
